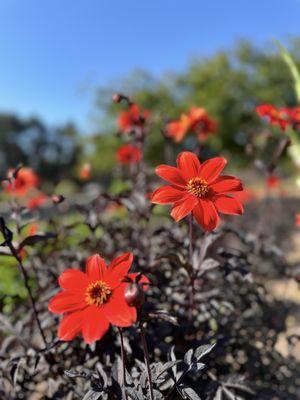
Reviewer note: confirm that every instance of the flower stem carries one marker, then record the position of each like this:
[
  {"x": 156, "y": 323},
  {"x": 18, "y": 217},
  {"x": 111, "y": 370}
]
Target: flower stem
[
  {"x": 146, "y": 357},
  {"x": 14, "y": 252},
  {"x": 192, "y": 278},
  {"x": 123, "y": 365}
]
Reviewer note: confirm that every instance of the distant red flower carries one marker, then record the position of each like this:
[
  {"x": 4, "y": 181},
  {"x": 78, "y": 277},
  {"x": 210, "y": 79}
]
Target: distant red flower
[
  {"x": 297, "y": 220},
  {"x": 198, "y": 188},
  {"x": 25, "y": 180},
  {"x": 132, "y": 118},
  {"x": 129, "y": 154},
  {"x": 275, "y": 116},
  {"x": 295, "y": 117},
  {"x": 201, "y": 123},
  {"x": 272, "y": 181},
  {"x": 92, "y": 300},
  {"x": 32, "y": 229},
  {"x": 176, "y": 130},
  {"x": 36, "y": 201},
  {"x": 196, "y": 121},
  {"x": 85, "y": 171}
]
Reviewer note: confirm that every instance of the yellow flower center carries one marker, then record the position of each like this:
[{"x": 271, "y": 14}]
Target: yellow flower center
[
  {"x": 198, "y": 187},
  {"x": 97, "y": 293}
]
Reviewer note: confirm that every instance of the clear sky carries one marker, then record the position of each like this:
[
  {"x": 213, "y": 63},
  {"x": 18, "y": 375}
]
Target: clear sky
[{"x": 53, "y": 53}]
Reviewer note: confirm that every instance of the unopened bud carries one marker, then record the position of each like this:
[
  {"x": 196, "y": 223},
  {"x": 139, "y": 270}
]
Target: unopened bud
[
  {"x": 117, "y": 98},
  {"x": 57, "y": 198},
  {"x": 134, "y": 295}
]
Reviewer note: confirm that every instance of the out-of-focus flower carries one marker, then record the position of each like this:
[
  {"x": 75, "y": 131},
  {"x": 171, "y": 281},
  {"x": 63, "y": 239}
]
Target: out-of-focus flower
[
  {"x": 92, "y": 300},
  {"x": 201, "y": 123},
  {"x": 275, "y": 116},
  {"x": 36, "y": 201},
  {"x": 196, "y": 121},
  {"x": 129, "y": 154},
  {"x": 32, "y": 229},
  {"x": 297, "y": 220},
  {"x": 198, "y": 189},
  {"x": 19, "y": 185},
  {"x": 176, "y": 130},
  {"x": 272, "y": 181},
  {"x": 132, "y": 118},
  {"x": 85, "y": 171}
]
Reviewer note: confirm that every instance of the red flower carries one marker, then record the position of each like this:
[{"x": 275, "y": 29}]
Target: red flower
[
  {"x": 198, "y": 188},
  {"x": 201, "y": 123},
  {"x": 177, "y": 129},
  {"x": 272, "y": 181},
  {"x": 297, "y": 220},
  {"x": 85, "y": 171},
  {"x": 129, "y": 154},
  {"x": 196, "y": 121},
  {"x": 92, "y": 300},
  {"x": 274, "y": 116},
  {"x": 25, "y": 180},
  {"x": 132, "y": 118},
  {"x": 36, "y": 201}
]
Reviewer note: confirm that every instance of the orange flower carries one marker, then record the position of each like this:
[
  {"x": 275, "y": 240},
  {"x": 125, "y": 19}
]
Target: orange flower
[
  {"x": 201, "y": 123},
  {"x": 177, "y": 130},
  {"x": 85, "y": 171},
  {"x": 132, "y": 118},
  {"x": 93, "y": 300},
  {"x": 196, "y": 121},
  {"x": 129, "y": 154},
  {"x": 198, "y": 189},
  {"x": 25, "y": 180}
]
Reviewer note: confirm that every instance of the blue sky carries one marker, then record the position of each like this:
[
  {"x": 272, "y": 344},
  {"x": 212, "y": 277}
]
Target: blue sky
[{"x": 53, "y": 53}]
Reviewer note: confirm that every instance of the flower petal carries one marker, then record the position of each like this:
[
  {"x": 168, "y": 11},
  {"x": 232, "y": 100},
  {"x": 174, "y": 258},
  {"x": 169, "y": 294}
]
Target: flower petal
[
  {"x": 118, "y": 268},
  {"x": 95, "y": 268},
  {"x": 170, "y": 174},
  {"x": 228, "y": 205},
  {"x": 226, "y": 183},
  {"x": 95, "y": 324},
  {"x": 66, "y": 301},
  {"x": 70, "y": 325},
  {"x": 189, "y": 164},
  {"x": 167, "y": 195},
  {"x": 182, "y": 208},
  {"x": 211, "y": 169},
  {"x": 117, "y": 311},
  {"x": 206, "y": 215},
  {"x": 73, "y": 280}
]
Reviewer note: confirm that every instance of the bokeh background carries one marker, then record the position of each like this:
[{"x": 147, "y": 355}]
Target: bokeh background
[{"x": 61, "y": 62}]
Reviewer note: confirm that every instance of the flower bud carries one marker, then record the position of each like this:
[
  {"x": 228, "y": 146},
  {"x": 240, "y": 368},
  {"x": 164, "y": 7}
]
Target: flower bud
[
  {"x": 116, "y": 98},
  {"x": 134, "y": 294}
]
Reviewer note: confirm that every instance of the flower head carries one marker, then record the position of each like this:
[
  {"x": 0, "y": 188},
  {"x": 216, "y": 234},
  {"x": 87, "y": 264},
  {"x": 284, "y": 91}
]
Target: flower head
[
  {"x": 93, "y": 300},
  {"x": 129, "y": 154},
  {"x": 275, "y": 116},
  {"x": 21, "y": 181},
  {"x": 198, "y": 189},
  {"x": 132, "y": 118},
  {"x": 36, "y": 201},
  {"x": 196, "y": 121},
  {"x": 273, "y": 181},
  {"x": 297, "y": 220},
  {"x": 85, "y": 171}
]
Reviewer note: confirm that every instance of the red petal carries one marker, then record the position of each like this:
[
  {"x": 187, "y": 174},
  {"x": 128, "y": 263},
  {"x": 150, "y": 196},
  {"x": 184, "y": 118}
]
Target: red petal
[
  {"x": 211, "y": 169},
  {"x": 170, "y": 174},
  {"x": 73, "y": 280},
  {"x": 183, "y": 208},
  {"x": 227, "y": 183},
  {"x": 96, "y": 268},
  {"x": 95, "y": 324},
  {"x": 117, "y": 311},
  {"x": 118, "y": 268},
  {"x": 65, "y": 302},
  {"x": 206, "y": 215},
  {"x": 189, "y": 164},
  {"x": 70, "y": 325},
  {"x": 228, "y": 205},
  {"x": 167, "y": 195}
]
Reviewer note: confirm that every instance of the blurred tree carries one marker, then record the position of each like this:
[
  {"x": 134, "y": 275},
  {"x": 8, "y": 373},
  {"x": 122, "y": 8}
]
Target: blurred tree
[
  {"x": 229, "y": 85},
  {"x": 52, "y": 152}
]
